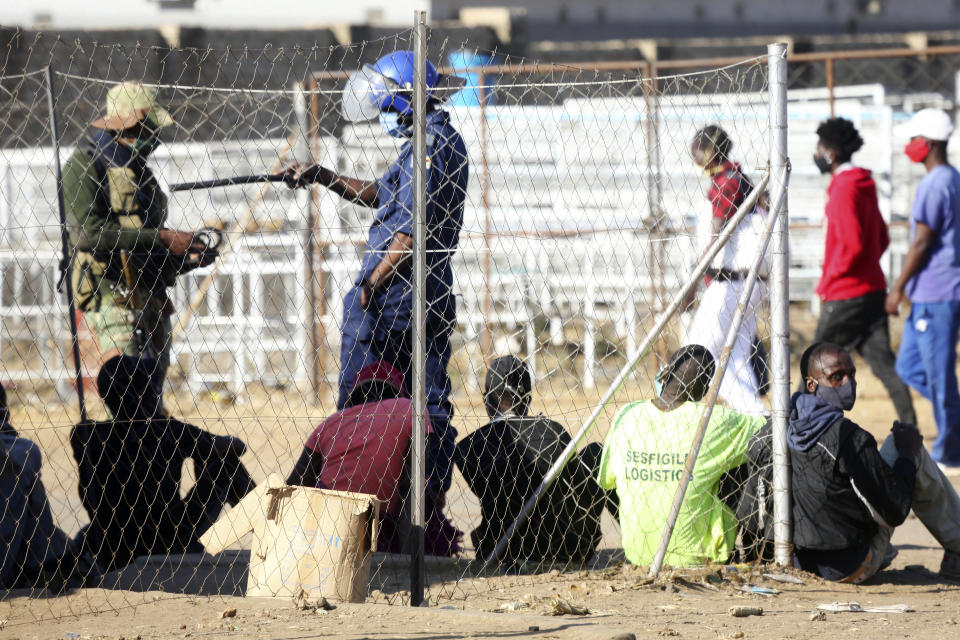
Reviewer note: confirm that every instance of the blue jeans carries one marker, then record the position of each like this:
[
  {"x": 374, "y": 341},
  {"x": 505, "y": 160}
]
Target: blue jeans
[
  {"x": 928, "y": 362},
  {"x": 367, "y": 338}
]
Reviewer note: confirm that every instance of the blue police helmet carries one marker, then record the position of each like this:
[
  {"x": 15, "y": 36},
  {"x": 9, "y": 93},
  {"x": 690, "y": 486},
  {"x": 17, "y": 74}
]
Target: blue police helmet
[
  {"x": 398, "y": 67},
  {"x": 387, "y": 85}
]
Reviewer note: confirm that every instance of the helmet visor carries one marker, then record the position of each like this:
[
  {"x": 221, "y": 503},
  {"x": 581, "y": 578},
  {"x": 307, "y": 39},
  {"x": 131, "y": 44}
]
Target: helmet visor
[{"x": 366, "y": 93}]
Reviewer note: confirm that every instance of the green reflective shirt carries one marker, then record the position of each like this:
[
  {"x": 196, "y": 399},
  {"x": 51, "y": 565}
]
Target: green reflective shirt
[{"x": 643, "y": 458}]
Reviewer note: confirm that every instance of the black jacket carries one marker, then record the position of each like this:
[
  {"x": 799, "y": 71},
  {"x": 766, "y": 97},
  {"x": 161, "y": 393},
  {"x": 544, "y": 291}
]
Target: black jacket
[
  {"x": 504, "y": 463},
  {"x": 841, "y": 486}
]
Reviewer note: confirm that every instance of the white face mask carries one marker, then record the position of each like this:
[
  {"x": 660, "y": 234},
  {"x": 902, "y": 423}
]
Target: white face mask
[{"x": 390, "y": 121}]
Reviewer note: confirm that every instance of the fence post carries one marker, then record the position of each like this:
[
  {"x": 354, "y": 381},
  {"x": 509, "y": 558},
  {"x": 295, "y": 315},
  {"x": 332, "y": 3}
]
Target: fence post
[
  {"x": 66, "y": 261},
  {"x": 486, "y": 339},
  {"x": 306, "y": 127},
  {"x": 654, "y": 165},
  {"x": 418, "y": 441},
  {"x": 780, "y": 306},
  {"x": 831, "y": 82}
]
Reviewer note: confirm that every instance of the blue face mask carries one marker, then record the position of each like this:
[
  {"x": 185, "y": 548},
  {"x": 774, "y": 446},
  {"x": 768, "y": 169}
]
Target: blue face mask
[
  {"x": 841, "y": 397},
  {"x": 660, "y": 380},
  {"x": 390, "y": 121}
]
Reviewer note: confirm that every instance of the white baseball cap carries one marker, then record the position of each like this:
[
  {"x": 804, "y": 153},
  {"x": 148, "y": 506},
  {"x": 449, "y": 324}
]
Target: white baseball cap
[{"x": 932, "y": 124}]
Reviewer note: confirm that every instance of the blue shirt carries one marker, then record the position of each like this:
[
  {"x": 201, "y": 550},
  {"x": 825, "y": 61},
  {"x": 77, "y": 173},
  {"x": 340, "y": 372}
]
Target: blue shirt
[
  {"x": 937, "y": 205},
  {"x": 447, "y": 174}
]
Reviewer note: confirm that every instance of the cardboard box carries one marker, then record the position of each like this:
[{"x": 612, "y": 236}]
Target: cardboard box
[{"x": 307, "y": 543}]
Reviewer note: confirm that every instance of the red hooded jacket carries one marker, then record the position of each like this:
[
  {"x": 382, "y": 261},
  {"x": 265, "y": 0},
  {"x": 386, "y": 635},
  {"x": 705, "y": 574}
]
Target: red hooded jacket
[{"x": 856, "y": 238}]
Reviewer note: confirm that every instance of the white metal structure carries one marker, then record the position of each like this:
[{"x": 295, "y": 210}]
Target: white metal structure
[{"x": 578, "y": 273}]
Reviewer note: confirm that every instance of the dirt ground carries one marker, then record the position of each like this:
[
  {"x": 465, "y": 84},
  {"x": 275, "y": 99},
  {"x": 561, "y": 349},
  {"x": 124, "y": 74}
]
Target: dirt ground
[{"x": 185, "y": 596}]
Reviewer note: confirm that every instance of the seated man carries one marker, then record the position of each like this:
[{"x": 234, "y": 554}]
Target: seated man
[
  {"x": 130, "y": 471},
  {"x": 644, "y": 455},
  {"x": 35, "y": 551},
  {"x": 505, "y": 461},
  {"x": 847, "y": 496},
  {"x": 364, "y": 448}
]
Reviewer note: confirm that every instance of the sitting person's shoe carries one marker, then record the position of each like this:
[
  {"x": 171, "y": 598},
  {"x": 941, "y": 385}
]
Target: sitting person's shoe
[
  {"x": 440, "y": 536},
  {"x": 72, "y": 571},
  {"x": 950, "y": 565}
]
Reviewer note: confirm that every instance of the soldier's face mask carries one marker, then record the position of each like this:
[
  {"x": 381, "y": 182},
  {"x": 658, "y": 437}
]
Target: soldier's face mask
[
  {"x": 145, "y": 146},
  {"x": 144, "y": 140}
]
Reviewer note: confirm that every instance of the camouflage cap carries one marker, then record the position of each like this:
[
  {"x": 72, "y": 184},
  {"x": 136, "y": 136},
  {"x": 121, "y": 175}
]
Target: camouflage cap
[{"x": 129, "y": 103}]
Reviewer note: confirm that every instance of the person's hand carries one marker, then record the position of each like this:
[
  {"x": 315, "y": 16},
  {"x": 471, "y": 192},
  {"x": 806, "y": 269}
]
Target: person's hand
[
  {"x": 366, "y": 294},
  {"x": 179, "y": 241},
  {"x": 907, "y": 439},
  {"x": 686, "y": 304},
  {"x": 300, "y": 174},
  {"x": 892, "y": 304},
  {"x": 204, "y": 258}
]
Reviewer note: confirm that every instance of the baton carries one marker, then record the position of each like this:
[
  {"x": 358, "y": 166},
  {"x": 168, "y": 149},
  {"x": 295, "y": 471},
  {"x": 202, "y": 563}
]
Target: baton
[{"x": 226, "y": 182}]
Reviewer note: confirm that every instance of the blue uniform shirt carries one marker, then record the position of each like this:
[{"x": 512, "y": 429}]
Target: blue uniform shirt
[{"x": 447, "y": 175}]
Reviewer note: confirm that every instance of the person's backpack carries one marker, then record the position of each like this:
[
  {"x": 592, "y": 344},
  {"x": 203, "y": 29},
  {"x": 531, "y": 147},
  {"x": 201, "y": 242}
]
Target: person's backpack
[
  {"x": 504, "y": 463},
  {"x": 755, "y": 509}
]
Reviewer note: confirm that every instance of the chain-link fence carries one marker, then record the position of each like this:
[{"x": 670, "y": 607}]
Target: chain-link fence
[{"x": 564, "y": 215}]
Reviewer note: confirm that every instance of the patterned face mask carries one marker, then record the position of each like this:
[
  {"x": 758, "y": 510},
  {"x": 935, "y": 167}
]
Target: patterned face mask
[{"x": 842, "y": 397}]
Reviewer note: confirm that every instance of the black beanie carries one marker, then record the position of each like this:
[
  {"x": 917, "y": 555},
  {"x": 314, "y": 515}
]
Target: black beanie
[
  {"x": 688, "y": 372},
  {"x": 126, "y": 385},
  {"x": 508, "y": 378}
]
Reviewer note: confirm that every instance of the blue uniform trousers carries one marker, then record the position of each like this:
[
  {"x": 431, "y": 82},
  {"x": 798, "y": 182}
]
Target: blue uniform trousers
[{"x": 367, "y": 338}]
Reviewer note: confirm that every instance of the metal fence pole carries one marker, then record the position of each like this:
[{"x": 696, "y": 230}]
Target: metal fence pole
[
  {"x": 302, "y": 150},
  {"x": 780, "y": 307},
  {"x": 486, "y": 339},
  {"x": 418, "y": 440},
  {"x": 66, "y": 261},
  {"x": 831, "y": 83}
]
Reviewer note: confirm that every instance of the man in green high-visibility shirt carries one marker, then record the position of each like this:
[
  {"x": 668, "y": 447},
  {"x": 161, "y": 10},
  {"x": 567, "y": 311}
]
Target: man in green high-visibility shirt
[{"x": 644, "y": 455}]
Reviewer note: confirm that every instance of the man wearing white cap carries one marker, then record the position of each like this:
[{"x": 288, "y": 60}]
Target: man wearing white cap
[
  {"x": 930, "y": 279},
  {"x": 125, "y": 258}
]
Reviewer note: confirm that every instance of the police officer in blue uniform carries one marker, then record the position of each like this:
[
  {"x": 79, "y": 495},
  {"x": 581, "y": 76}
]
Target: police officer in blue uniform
[{"x": 378, "y": 310}]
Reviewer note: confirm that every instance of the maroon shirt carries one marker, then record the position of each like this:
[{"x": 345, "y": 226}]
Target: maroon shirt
[
  {"x": 728, "y": 189},
  {"x": 364, "y": 448}
]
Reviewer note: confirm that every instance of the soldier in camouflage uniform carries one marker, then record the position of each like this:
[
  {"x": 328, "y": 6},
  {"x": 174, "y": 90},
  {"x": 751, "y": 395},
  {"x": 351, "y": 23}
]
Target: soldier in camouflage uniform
[{"x": 125, "y": 259}]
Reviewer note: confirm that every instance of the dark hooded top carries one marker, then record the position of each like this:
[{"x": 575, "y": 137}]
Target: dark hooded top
[{"x": 841, "y": 487}]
